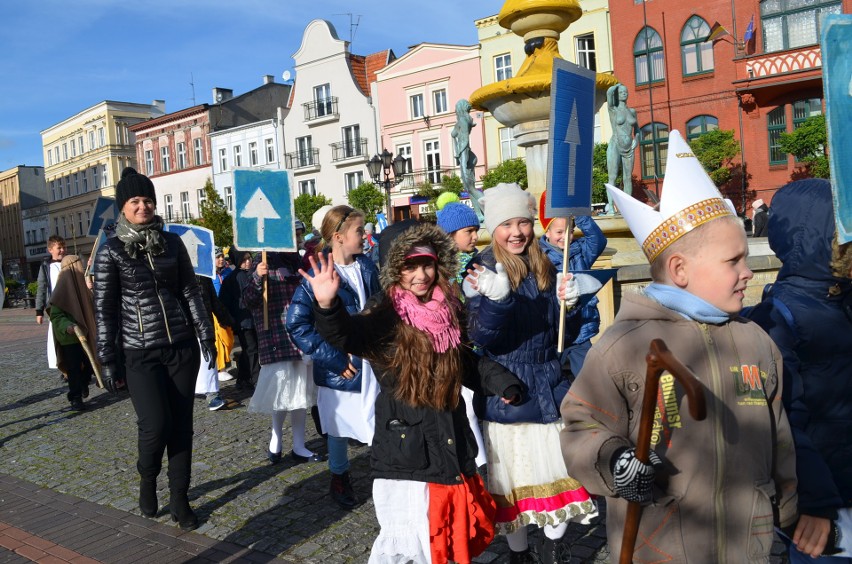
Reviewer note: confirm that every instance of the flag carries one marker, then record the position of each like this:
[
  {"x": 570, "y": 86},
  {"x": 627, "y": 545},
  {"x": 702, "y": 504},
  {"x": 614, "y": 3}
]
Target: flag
[
  {"x": 749, "y": 32},
  {"x": 716, "y": 32}
]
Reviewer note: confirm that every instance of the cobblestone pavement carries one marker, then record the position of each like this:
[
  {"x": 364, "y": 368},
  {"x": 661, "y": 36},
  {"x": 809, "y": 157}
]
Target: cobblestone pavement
[{"x": 283, "y": 510}]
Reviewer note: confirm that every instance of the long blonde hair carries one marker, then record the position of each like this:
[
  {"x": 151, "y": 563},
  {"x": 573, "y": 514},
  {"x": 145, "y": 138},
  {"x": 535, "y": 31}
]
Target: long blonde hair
[
  {"x": 533, "y": 260},
  {"x": 337, "y": 220}
]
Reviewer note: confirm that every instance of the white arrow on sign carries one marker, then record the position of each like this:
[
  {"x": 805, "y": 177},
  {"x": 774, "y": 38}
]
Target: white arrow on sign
[
  {"x": 108, "y": 217},
  {"x": 260, "y": 208},
  {"x": 192, "y": 242},
  {"x": 572, "y": 137}
]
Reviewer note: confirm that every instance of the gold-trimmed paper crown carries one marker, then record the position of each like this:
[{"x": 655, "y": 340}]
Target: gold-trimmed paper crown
[{"x": 689, "y": 199}]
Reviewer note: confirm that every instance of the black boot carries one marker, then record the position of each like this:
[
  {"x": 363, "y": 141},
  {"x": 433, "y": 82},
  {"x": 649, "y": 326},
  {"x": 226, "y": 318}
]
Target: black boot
[
  {"x": 554, "y": 551},
  {"x": 525, "y": 557},
  {"x": 342, "y": 492},
  {"x": 181, "y": 512},
  {"x": 148, "y": 497}
]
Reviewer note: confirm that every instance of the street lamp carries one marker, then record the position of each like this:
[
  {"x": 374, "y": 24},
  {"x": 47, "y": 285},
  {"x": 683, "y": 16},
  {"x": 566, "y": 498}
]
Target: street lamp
[{"x": 385, "y": 163}]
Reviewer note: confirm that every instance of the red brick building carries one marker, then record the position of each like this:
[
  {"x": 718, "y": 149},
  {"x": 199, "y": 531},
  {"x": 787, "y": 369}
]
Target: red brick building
[{"x": 759, "y": 80}]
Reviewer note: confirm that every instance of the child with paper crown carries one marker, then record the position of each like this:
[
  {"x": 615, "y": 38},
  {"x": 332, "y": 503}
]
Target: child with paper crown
[{"x": 715, "y": 485}]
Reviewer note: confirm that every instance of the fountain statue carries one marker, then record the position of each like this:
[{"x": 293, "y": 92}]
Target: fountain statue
[
  {"x": 621, "y": 150},
  {"x": 465, "y": 157}
]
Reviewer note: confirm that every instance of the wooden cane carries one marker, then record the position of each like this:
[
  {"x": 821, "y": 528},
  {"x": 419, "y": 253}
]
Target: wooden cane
[
  {"x": 265, "y": 294},
  {"x": 84, "y": 343},
  {"x": 658, "y": 359},
  {"x": 569, "y": 232}
]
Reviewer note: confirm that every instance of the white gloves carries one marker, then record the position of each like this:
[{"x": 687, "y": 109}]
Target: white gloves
[
  {"x": 571, "y": 291},
  {"x": 493, "y": 285}
]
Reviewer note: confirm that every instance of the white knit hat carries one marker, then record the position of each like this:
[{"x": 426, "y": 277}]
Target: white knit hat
[
  {"x": 319, "y": 215},
  {"x": 689, "y": 200},
  {"x": 506, "y": 201}
]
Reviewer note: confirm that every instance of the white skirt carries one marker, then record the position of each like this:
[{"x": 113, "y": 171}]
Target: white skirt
[
  {"x": 283, "y": 386},
  {"x": 402, "y": 510},
  {"x": 528, "y": 478},
  {"x": 51, "y": 348},
  {"x": 350, "y": 414}
]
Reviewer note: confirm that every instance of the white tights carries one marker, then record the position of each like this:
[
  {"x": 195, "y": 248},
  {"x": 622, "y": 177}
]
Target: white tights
[
  {"x": 297, "y": 420},
  {"x": 518, "y": 541}
]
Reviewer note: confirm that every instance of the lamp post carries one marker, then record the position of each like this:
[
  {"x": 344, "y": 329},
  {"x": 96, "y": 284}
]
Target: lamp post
[{"x": 387, "y": 163}]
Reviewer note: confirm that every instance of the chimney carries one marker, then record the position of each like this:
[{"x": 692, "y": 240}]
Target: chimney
[
  {"x": 222, "y": 94},
  {"x": 159, "y": 107},
  {"x": 268, "y": 79}
]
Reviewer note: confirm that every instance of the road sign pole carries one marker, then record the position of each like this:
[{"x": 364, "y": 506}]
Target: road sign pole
[{"x": 566, "y": 253}]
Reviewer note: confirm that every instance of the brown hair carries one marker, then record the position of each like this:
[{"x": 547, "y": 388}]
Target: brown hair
[
  {"x": 517, "y": 267},
  {"x": 337, "y": 220},
  {"x": 55, "y": 240},
  {"x": 424, "y": 377},
  {"x": 686, "y": 245}
]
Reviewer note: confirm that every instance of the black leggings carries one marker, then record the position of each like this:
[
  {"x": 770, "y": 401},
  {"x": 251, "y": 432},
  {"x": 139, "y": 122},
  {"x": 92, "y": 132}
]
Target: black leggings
[
  {"x": 79, "y": 369},
  {"x": 162, "y": 383}
]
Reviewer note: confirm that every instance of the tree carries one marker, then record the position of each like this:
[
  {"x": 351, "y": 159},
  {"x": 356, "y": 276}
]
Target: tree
[
  {"x": 215, "y": 216},
  {"x": 715, "y": 150},
  {"x": 512, "y": 170},
  {"x": 807, "y": 143},
  {"x": 306, "y": 204},
  {"x": 367, "y": 198},
  {"x": 600, "y": 176}
]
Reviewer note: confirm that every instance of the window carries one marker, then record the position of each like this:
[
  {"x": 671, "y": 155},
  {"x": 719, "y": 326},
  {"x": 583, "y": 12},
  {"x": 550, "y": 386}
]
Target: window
[
  {"x": 653, "y": 148},
  {"x": 118, "y": 133},
  {"x": 101, "y": 137},
  {"x": 73, "y": 148},
  {"x": 65, "y": 151},
  {"x": 59, "y": 185},
  {"x": 49, "y": 157},
  {"x": 416, "y": 106},
  {"x": 352, "y": 180},
  {"x": 776, "y": 124},
  {"x": 201, "y": 197},
  {"x": 149, "y": 162},
  {"x": 56, "y": 153},
  {"x": 85, "y": 176},
  {"x": 305, "y": 154},
  {"x": 238, "y": 155},
  {"x": 76, "y": 184},
  {"x": 788, "y": 24},
  {"x": 181, "y": 154},
  {"x": 56, "y": 226},
  {"x": 64, "y": 228},
  {"x": 322, "y": 98},
  {"x": 52, "y": 191},
  {"x": 80, "y": 223},
  {"x": 229, "y": 198},
  {"x": 184, "y": 206},
  {"x": 585, "y": 46},
  {"x": 508, "y": 147},
  {"x": 648, "y": 57},
  {"x": 223, "y": 160},
  {"x": 170, "y": 207},
  {"x": 91, "y": 140},
  {"x": 253, "y": 153},
  {"x": 308, "y": 187},
  {"x": 696, "y": 53},
  {"x": 80, "y": 144},
  {"x": 351, "y": 141},
  {"x": 88, "y": 220},
  {"x": 432, "y": 149},
  {"x": 803, "y": 109},
  {"x": 104, "y": 176},
  {"x": 405, "y": 151},
  {"x": 439, "y": 101},
  {"x": 199, "y": 153},
  {"x": 165, "y": 160},
  {"x": 43, "y": 234},
  {"x": 502, "y": 67},
  {"x": 95, "y": 178},
  {"x": 270, "y": 151},
  {"x": 700, "y": 125}
]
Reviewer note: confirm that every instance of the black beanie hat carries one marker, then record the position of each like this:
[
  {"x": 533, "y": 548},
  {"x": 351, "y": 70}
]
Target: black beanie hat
[
  {"x": 388, "y": 235},
  {"x": 133, "y": 184}
]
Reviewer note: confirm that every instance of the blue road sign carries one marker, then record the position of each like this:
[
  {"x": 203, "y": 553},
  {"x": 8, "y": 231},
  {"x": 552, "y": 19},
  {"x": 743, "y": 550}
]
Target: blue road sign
[
  {"x": 572, "y": 127},
  {"x": 264, "y": 219},
  {"x": 836, "y": 43},
  {"x": 199, "y": 244},
  {"x": 105, "y": 216}
]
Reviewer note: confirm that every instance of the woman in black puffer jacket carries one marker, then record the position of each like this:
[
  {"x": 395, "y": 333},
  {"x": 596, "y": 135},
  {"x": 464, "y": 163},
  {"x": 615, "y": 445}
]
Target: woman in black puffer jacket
[{"x": 145, "y": 289}]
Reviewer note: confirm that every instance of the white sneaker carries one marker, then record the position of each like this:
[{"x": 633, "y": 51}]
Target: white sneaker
[{"x": 224, "y": 377}]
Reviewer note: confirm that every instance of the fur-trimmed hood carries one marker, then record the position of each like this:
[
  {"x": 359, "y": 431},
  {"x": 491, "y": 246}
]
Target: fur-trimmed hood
[{"x": 418, "y": 234}]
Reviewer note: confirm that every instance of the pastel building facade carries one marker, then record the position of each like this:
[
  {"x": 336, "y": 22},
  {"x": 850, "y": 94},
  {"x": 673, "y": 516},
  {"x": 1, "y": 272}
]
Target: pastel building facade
[
  {"x": 417, "y": 96},
  {"x": 333, "y": 128},
  {"x": 22, "y": 232}
]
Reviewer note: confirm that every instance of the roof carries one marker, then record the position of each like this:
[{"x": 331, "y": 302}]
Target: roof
[{"x": 364, "y": 69}]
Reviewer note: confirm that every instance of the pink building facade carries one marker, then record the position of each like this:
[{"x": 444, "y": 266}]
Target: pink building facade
[{"x": 417, "y": 96}]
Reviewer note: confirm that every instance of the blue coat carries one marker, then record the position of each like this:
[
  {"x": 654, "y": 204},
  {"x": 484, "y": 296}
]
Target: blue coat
[
  {"x": 329, "y": 362},
  {"x": 813, "y": 329},
  {"x": 582, "y": 255},
  {"x": 520, "y": 333}
]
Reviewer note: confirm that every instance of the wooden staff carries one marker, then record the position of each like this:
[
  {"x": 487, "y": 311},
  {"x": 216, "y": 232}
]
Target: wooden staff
[
  {"x": 84, "y": 343},
  {"x": 265, "y": 293},
  {"x": 659, "y": 359},
  {"x": 566, "y": 253}
]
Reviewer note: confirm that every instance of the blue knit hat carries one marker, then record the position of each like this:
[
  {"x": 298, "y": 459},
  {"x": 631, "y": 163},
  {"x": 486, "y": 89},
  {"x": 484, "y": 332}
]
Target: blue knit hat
[{"x": 455, "y": 216}]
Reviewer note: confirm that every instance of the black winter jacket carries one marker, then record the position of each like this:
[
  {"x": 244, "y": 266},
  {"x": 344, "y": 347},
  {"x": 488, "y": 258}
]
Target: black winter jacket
[
  {"x": 231, "y": 295},
  {"x": 150, "y": 311},
  {"x": 412, "y": 443}
]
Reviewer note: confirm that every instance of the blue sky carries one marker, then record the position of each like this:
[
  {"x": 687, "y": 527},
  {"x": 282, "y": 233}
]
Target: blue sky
[{"x": 62, "y": 56}]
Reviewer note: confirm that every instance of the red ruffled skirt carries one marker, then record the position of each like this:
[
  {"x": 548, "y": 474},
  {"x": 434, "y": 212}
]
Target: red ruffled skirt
[{"x": 461, "y": 520}]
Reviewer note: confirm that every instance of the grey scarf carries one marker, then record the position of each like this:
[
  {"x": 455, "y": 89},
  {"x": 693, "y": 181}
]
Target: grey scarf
[{"x": 144, "y": 238}]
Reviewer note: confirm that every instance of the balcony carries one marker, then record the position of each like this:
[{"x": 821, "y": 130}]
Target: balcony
[
  {"x": 415, "y": 178},
  {"x": 321, "y": 111},
  {"x": 303, "y": 161},
  {"x": 347, "y": 152},
  {"x": 777, "y": 72}
]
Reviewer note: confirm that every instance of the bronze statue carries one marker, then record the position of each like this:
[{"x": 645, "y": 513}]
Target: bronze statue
[
  {"x": 465, "y": 158},
  {"x": 622, "y": 145}
]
